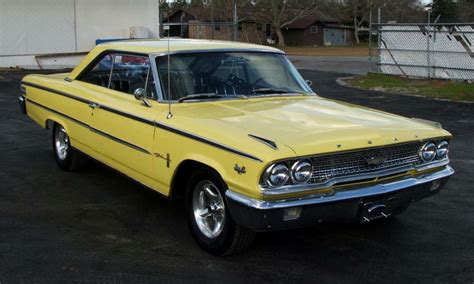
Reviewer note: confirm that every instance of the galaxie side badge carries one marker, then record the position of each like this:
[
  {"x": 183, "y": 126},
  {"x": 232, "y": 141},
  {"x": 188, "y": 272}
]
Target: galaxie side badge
[{"x": 240, "y": 170}]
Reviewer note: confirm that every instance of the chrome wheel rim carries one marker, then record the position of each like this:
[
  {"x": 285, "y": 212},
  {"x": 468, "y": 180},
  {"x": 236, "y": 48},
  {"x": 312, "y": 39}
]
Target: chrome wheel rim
[
  {"x": 209, "y": 209},
  {"x": 61, "y": 143}
]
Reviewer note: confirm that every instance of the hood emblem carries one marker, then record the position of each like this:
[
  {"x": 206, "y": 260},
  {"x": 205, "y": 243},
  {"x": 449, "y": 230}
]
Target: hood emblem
[{"x": 374, "y": 160}]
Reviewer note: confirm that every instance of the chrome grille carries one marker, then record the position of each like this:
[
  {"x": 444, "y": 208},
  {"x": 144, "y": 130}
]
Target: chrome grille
[
  {"x": 339, "y": 165},
  {"x": 353, "y": 163}
]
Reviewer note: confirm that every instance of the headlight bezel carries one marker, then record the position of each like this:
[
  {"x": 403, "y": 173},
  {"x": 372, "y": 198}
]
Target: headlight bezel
[
  {"x": 442, "y": 149},
  {"x": 297, "y": 167},
  {"x": 439, "y": 150},
  {"x": 428, "y": 151},
  {"x": 271, "y": 170}
]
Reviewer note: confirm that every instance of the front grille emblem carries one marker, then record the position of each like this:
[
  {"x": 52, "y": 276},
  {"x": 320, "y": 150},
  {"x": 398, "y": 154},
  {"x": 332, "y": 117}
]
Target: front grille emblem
[{"x": 375, "y": 160}]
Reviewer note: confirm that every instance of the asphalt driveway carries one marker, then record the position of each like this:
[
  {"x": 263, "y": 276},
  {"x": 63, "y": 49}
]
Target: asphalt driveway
[
  {"x": 341, "y": 64},
  {"x": 97, "y": 225}
]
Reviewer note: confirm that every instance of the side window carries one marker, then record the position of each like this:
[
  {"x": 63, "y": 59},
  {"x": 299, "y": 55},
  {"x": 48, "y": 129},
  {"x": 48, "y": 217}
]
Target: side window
[
  {"x": 100, "y": 73},
  {"x": 131, "y": 72}
]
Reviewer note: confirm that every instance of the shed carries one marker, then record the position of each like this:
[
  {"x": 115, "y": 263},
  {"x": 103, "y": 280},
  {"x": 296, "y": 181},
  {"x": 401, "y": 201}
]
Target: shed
[
  {"x": 198, "y": 23},
  {"x": 318, "y": 29}
]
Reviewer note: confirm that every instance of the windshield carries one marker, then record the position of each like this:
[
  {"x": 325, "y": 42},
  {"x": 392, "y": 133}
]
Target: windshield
[{"x": 218, "y": 75}]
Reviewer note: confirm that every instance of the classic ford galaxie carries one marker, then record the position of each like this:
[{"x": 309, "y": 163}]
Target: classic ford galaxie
[{"x": 235, "y": 132}]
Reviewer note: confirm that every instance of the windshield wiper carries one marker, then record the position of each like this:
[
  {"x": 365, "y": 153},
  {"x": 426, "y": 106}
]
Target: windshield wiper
[
  {"x": 275, "y": 91},
  {"x": 200, "y": 96},
  {"x": 208, "y": 96}
]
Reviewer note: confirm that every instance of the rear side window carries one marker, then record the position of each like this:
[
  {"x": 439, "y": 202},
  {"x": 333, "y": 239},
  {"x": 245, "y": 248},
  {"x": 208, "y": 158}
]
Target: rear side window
[
  {"x": 122, "y": 72},
  {"x": 131, "y": 72},
  {"x": 100, "y": 73}
]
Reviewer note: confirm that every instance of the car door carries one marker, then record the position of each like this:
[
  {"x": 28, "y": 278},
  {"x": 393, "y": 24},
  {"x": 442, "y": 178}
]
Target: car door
[{"x": 122, "y": 127}]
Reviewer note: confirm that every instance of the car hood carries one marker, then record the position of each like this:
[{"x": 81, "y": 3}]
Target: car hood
[{"x": 306, "y": 125}]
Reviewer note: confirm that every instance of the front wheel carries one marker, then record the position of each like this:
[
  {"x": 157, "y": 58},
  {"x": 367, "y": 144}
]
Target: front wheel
[
  {"x": 209, "y": 218},
  {"x": 67, "y": 158}
]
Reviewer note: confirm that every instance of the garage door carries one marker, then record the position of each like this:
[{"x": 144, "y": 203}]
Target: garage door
[
  {"x": 334, "y": 36},
  {"x": 36, "y": 27}
]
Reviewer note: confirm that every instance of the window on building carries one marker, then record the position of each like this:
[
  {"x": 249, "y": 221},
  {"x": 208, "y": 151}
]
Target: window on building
[
  {"x": 314, "y": 29},
  {"x": 240, "y": 26},
  {"x": 259, "y": 27},
  {"x": 217, "y": 27}
]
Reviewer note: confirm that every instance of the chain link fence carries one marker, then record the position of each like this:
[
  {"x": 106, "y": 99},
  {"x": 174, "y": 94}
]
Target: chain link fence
[{"x": 441, "y": 51}]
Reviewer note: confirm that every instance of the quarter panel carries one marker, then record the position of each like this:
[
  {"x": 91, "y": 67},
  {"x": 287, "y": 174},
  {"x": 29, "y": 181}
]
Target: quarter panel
[{"x": 44, "y": 103}]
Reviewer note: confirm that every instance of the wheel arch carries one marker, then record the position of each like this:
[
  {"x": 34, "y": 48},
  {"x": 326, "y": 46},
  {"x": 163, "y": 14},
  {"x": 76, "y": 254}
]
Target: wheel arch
[
  {"x": 183, "y": 172},
  {"x": 51, "y": 121}
]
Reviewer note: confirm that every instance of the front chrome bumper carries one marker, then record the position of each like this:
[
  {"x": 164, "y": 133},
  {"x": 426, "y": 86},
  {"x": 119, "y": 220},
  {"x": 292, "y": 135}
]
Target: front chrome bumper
[{"x": 263, "y": 215}]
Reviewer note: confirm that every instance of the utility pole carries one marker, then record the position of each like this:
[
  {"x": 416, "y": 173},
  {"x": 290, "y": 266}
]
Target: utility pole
[
  {"x": 428, "y": 58},
  {"x": 212, "y": 19},
  {"x": 370, "y": 39},
  {"x": 379, "y": 39},
  {"x": 235, "y": 21}
]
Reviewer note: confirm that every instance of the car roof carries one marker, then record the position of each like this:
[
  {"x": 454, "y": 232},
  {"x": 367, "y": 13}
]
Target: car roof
[
  {"x": 178, "y": 44},
  {"x": 160, "y": 46}
]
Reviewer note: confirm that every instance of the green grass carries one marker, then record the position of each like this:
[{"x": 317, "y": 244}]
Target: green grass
[{"x": 442, "y": 89}]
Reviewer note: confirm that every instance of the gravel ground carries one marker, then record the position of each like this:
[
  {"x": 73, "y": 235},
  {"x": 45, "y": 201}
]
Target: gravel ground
[{"x": 97, "y": 226}]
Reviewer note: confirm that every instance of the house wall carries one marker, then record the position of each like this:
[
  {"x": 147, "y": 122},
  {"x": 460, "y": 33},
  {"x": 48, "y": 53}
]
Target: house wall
[
  {"x": 251, "y": 34},
  {"x": 178, "y": 18},
  {"x": 350, "y": 37},
  {"x": 32, "y": 27},
  {"x": 248, "y": 32},
  {"x": 198, "y": 30},
  {"x": 304, "y": 36}
]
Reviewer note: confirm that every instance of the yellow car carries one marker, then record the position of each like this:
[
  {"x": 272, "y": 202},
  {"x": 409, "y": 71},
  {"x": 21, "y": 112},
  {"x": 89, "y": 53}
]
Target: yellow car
[{"x": 235, "y": 132}]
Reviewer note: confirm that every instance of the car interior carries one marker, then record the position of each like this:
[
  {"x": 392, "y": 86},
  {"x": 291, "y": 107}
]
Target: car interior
[
  {"x": 129, "y": 73},
  {"x": 222, "y": 75}
]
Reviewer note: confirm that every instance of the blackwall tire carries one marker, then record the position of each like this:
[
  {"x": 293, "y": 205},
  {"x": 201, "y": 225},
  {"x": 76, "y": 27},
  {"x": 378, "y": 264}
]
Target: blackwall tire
[
  {"x": 67, "y": 158},
  {"x": 209, "y": 218}
]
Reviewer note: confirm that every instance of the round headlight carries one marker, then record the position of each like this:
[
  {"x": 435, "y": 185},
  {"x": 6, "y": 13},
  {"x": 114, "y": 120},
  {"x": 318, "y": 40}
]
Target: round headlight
[
  {"x": 301, "y": 171},
  {"x": 277, "y": 175},
  {"x": 428, "y": 152},
  {"x": 443, "y": 148}
]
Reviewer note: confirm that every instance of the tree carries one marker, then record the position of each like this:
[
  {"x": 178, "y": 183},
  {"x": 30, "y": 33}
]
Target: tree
[
  {"x": 282, "y": 13},
  {"x": 465, "y": 10},
  {"x": 359, "y": 11},
  {"x": 400, "y": 11},
  {"x": 446, "y": 9}
]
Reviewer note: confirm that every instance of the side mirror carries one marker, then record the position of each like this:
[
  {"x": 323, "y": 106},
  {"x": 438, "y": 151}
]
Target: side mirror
[
  {"x": 309, "y": 83},
  {"x": 140, "y": 95}
]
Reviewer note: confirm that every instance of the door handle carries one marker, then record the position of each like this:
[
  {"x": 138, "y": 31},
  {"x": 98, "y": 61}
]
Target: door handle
[{"x": 93, "y": 105}]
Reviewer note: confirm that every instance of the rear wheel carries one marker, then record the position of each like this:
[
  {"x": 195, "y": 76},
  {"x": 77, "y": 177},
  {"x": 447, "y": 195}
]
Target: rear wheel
[
  {"x": 209, "y": 218},
  {"x": 67, "y": 158}
]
